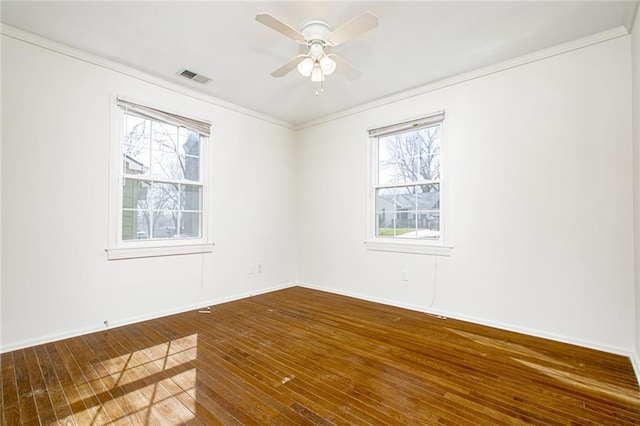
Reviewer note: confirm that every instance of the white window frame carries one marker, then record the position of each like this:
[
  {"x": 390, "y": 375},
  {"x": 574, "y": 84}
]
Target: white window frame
[
  {"x": 433, "y": 246},
  {"x": 128, "y": 249}
]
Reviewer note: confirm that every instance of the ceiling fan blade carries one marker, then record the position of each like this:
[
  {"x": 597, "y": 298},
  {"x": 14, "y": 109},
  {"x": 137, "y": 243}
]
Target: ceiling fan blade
[
  {"x": 358, "y": 25},
  {"x": 289, "y": 66},
  {"x": 279, "y": 26},
  {"x": 344, "y": 67}
]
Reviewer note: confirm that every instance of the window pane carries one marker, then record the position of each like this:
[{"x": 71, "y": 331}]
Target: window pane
[
  {"x": 167, "y": 165},
  {"x": 428, "y": 225},
  {"x": 165, "y": 196},
  {"x": 428, "y": 215},
  {"x": 385, "y": 212},
  {"x": 191, "y": 197},
  {"x": 428, "y": 196},
  {"x": 191, "y": 168},
  {"x": 135, "y": 194},
  {"x": 189, "y": 142},
  {"x": 164, "y": 137},
  {"x": 190, "y": 224},
  {"x": 137, "y": 132},
  {"x": 165, "y": 224},
  {"x": 135, "y": 224},
  {"x": 398, "y": 199},
  {"x": 395, "y": 211},
  {"x": 409, "y": 157},
  {"x": 136, "y": 161}
]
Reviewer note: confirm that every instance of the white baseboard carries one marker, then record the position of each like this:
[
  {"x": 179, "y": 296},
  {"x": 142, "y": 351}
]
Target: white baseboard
[
  {"x": 131, "y": 320},
  {"x": 635, "y": 363},
  {"x": 482, "y": 321}
]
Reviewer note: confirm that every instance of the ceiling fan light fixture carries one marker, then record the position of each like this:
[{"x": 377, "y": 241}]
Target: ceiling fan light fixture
[
  {"x": 327, "y": 65},
  {"x": 316, "y": 74},
  {"x": 305, "y": 67},
  {"x": 316, "y": 50},
  {"x": 317, "y": 35}
]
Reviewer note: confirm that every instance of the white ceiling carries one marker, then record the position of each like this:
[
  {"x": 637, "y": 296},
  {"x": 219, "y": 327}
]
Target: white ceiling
[{"x": 416, "y": 42}]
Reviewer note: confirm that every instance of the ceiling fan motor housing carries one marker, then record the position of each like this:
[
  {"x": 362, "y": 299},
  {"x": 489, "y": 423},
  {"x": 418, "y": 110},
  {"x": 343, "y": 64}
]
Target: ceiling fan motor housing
[{"x": 316, "y": 32}]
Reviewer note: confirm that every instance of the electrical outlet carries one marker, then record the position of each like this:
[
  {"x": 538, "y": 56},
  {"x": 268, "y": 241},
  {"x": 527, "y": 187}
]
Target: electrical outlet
[
  {"x": 404, "y": 275},
  {"x": 259, "y": 268},
  {"x": 106, "y": 323}
]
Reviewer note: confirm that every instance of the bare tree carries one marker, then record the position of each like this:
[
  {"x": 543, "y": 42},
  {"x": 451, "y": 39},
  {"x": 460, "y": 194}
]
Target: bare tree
[{"x": 412, "y": 156}]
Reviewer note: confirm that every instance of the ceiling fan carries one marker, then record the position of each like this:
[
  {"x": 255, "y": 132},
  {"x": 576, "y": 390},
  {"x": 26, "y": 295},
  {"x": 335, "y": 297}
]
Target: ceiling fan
[{"x": 317, "y": 35}]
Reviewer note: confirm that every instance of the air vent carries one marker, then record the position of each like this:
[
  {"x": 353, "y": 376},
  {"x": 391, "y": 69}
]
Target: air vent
[{"x": 194, "y": 76}]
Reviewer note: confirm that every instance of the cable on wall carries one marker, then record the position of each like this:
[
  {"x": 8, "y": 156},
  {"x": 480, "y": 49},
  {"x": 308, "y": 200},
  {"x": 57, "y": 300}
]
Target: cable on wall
[
  {"x": 435, "y": 281},
  {"x": 205, "y": 309}
]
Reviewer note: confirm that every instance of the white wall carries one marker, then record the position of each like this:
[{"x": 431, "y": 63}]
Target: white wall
[
  {"x": 56, "y": 280},
  {"x": 540, "y": 212},
  {"x": 635, "y": 55}
]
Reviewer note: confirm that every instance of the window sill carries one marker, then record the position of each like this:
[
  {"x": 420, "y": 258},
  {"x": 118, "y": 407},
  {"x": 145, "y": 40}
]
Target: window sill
[
  {"x": 116, "y": 253},
  {"x": 408, "y": 247}
]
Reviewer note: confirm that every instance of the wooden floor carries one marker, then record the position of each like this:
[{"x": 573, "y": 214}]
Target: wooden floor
[{"x": 299, "y": 356}]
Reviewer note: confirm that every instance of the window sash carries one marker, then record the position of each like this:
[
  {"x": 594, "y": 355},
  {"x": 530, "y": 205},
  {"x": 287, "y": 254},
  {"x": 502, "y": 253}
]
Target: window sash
[
  {"x": 151, "y": 210},
  {"x": 406, "y": 215}
]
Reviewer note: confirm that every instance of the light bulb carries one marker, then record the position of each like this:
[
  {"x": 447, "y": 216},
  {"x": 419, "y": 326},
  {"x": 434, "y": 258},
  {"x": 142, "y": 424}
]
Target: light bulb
[
  {"x": 328, "y": 65},
  {"x": 306, "y": 66},
  {"x": 317, "y": 74}
]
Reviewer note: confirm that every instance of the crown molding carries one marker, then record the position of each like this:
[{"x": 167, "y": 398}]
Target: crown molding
[
  {"x": 472, "y": 75},
  {"x": 81, "y": 55},
  {"x": 66, "y": 50}
]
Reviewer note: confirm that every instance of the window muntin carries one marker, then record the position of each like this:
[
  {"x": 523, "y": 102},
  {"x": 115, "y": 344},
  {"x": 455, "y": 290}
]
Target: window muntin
[
  {"x": 407, "y": 181},
  {"x": 162, "y": 193}
]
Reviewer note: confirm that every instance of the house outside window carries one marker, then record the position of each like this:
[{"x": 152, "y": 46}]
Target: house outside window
[
  {"x": 406, "y": 189},
  {"x": 161, "y": 198}
]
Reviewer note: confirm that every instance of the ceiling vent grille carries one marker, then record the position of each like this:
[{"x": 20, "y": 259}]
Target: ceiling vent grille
[{"x": 194, "y": 76}]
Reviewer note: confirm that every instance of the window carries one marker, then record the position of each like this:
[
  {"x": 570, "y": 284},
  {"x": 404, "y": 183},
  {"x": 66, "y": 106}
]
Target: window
[
  {"x": 161, "y": 193},
  {"x": 406, "y": 187}
]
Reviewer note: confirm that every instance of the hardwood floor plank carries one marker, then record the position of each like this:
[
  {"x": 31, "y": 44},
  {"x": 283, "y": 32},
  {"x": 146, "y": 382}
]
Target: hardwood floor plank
[
  {"x": 207, "y": 411},
  {"x": 204, "y": 406},
  {"x": 80, "y": 412},
  {"x": 497, "y": 365},
  {"x": 336, "y": 349},
  {"x": 87, "y": 401},
  {"x": 39, "y": 389},
  {"x": 26, "y": 401},
  {"x": 10, "y": 403},
  {"x": 56, "y": 393},
  {"x": 305, "y": 357},
  {"x": 2, "y": 421},
  {"x": 135, "y": 397},
  {"x": 271, "y": 355},
  {"x": 86, "y": 359},
  {"x": 156, "y": 391},
  {"x": 274, "y": 375},
  {"x": 224, "y": 359},
  {"x": 214, "y": 367}
]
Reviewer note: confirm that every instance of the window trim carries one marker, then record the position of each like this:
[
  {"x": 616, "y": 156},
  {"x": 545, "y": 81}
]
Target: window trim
[
  {"x": 119, "y": 249},
  {"x": 433, "y": 246}
]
